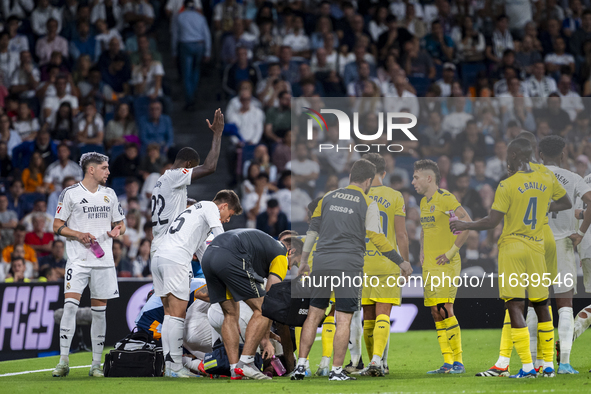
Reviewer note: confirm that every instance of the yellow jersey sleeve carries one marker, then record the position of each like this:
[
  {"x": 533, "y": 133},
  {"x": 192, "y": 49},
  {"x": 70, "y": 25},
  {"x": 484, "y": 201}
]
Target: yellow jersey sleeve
[
  {"x": 450, "y": 202},
  {"x": 279, "y": 266},
  {"x": 399, "y": 207},
  {"x": 502, "y": 198}
]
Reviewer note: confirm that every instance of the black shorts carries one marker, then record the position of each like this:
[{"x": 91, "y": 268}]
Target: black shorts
[
  {"x": 347, "y": 292},
  {"x": 230, "y": 277}
]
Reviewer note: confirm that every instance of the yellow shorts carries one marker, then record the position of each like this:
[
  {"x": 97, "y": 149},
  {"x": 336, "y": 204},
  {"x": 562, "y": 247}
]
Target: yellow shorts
[
  {"x": 381, "y": 288},
  {"x": 438, "y": 291},
  {"x": 519, "y": 266},
  {"x": 550, "y": 252}
]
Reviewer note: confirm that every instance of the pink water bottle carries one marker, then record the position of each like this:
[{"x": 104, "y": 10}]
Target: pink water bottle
[
  {"x": 453, "y": 218},
  {"x": 96, "y": 249},
  {"x": 278, "y": 366}
]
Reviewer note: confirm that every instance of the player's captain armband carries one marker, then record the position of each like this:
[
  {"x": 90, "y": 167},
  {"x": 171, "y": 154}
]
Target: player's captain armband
[{"x": 278, "y": 266}]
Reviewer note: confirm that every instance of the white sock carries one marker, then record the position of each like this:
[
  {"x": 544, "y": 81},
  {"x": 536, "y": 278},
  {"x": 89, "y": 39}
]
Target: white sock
[
  {"x": 337, "y": 369},
  {"x": 247, "y": 359},
  {"x": 550, "y": 364},
  {"x": 307, "y": 364},
  {"x": 532, "y": 326},
  {"x": 582, "y": 322},
  {"x": 164, "y": 334},
  {"x": 191, "y": 363},
  {"x": 175, "y": 341},
  {"x": 98, "y": 329},
  {"x": 527, "y": 367},
  {"x": 68, "y": 327},
  {"x": 386, "y": 350},
  {"x": 324, "y": 362},
  {"x": 565, "y": 333},
  {"x": 377, "y": 359},
  {"x": 539, "y": 363},
  {"x": 356, "y": 337},
  {"x": 302, "y": 361},
  {"x": 503, "y": 362}
]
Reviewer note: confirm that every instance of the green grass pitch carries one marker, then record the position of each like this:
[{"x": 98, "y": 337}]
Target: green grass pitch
[{"x": 411, "y": 355}]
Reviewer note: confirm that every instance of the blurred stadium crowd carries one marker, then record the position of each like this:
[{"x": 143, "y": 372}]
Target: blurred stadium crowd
[{"x": 79, "y": 76}]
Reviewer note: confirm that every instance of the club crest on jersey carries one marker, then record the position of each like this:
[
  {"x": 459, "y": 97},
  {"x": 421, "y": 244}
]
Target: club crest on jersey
[
  {"x": 68, "y": 286},
  {"x": 107, "y": 199},
  {"x": 432, "y": 209}
]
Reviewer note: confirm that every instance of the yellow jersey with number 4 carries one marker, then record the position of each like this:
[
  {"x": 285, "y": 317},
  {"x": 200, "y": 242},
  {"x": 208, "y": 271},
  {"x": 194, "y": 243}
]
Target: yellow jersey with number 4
[
  {"x": 391, "y": 204},
  {"x": 524, "y": 198}
]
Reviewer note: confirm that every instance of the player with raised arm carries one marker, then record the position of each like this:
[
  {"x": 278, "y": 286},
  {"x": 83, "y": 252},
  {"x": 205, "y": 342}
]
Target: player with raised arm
[
  {"x": 169, "y": 196},
  {"x": 564, "y": 226},
  {"x": 439, "y": 256},
  {"x": 341, "y": 222},
  {"x": 522, "y": 200},
  {"x": 89, "y": 216},
  {"x": 377, "y": 300},
  {"x": 171, "y": 269}
]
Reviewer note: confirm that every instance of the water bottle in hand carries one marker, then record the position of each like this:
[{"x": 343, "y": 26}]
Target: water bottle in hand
[
  {"x": 278, "y": 366},
  {"x": 96, "y": 249},
  {"x": 453, "y": 218}
]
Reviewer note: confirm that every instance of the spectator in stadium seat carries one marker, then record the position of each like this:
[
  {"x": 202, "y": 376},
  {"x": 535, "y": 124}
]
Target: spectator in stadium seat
[
  {"x": 526, "y": 55},
  {"x": 468, "y": 197},
  {"x": 62, "y": 127},
  {"x": 152, "y": 162},
  {"x": 433, "y": 141},
  {"x": 51, "y": 42},
  {"x": 42, "y": 144},
  {"x": 84, "y": 43},
  {"x": 324, "y": 26},
  {"x": 298, "y": 40},
  {"x": 131, "y": 43},
  {"x": 397, "y": 87},
  {"x": 470, "y": 43},
  {"x": 8, "y": 222},
  {"x": 141, "y": 263},
  {"x": 248, "y": 117},
  {"x": 267, "y": 45},
  {"x": 393, "y": 39},
  {"x": 38, "y": 239},
  {"x": 417, "y": 62},
  {"x": 559, "y": 59},
  {"x": 282, "y": 152},
  {"x": 144, "y": 47},
  {"x": 131, "y": 239},
  {"x": 121, "y": 126},
  {"x": 539, "y": 86},
  {"x": 108, "y": 10},
  {"x": 90, "y": 126},
  {"x": 41, "y": 15},
  {"x": 117, "y": 76},
  {"x": 19, "y": 240},
  {"x": 355, "y": 88},
  {"x": 449, "y": 73},
  {"x": 289, "y": 67},
  {"x": 156, "y": 127},
  {"x": 63, "y": 167},
  {"x": 278, "y": 119},
  {"x": 138, "y": 10},
  {"x": 105, "y": 36},
  {"x": 573, "y": 22},
  {"x": 123, "y": 266},
  {"x": 581, "y": 35},
  {"x": 557, "y": 118},
  {"x": 194, "y": 42},
  {"x": 17, "y": 272},
  {"x": 18, "y": 42},
  {"x": 479, "y": 179},
  {"x": 146, "y": 77},
  {"x": 238, "y": 38},
  {"x": 439, "y": 45},
  {"x": 113, "y": 51},
  {"x": 25, "y": 124},
  {"x": 94, "y": 88},
  {"x": 126, "y": 164},
  {"x": 549, "y": 36},
  {"x": 6, "y": 167},
  {"x": 261, "y": 157},
  {"x": 501, "y": 39},
  {"x": 52, "y": 104},
  {"x": 272, "y": 221},
  {"x": 25, "y": 78},
  {"x": 496, "y": 167},
  {"x": 471, "y": 136},
  {"x": 9, "y": 60},
  {"x": 240, "y": 70},
  {"x": 351, "y": 73},
  {"x": 55, "y": 259},
  {"x": 16, "y": 191},
  {"x": 570, "y": 101},
  {"x": 255, "y": 202},
  {"x": 53, "y": 198},
  {"x": 32, "y": 176},
  {"x": 268, "y": 89},
  {"x": 49, "y": 72}
]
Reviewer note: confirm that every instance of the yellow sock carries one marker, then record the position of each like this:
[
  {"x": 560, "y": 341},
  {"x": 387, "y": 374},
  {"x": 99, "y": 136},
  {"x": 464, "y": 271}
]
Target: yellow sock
[
  {"x": 546, "y": 337},
  {"x": 298, "y": 336},
  {"x": 448, "y": 356},
  {"x": 381, "y": 333},
  {"x": 540, "y": 344},
  {"x": 454, "y": 337},
  {"x": 328, "y": 331},
  {"x": 520, "y": 338},
  {"x": 368, "y": 329},
  {"x": 506, "y": 342}
]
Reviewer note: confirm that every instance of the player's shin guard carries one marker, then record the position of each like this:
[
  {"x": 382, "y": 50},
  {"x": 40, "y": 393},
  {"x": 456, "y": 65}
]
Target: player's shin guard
[
  {"x": 454, "y": 337},
  {"x": 328, "y": 331},
  {"x": 448, "y": 357},
  {"x": 381, "y": 333},
  {"x": 546, "y": 339},
  {"x": 175, "y": 341},
  {"x": 520, "y": 338},
  {"x": 355, "y": 337},
  {"x": 506, "y": 343},
  {"x": 97, "y": 333},
  {"x": 532, "y": 325},
  {"x": 68, "y": 327},
  {"x": 565, "y": 333},
  {"x": 582, "y": 322},
  {"x": 368, "y": 329}
]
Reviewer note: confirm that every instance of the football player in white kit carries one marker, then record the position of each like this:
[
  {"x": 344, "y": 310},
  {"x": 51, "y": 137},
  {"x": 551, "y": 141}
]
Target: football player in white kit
[
  {"x": 564, "y": 227},
  {"x": 88, "y": 213},
  {"x": 171, "y": 268},
  {"x": 169, "y": 196}
]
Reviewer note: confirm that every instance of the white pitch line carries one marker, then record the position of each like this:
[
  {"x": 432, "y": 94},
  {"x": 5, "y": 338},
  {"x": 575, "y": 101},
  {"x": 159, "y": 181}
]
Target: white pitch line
[{"x": 39, "y": 370}]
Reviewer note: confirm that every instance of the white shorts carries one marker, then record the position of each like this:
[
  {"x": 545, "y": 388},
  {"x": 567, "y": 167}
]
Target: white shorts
[
  {"x": 586, "y": 264},
  {"x": 101, "y": 280},
  {"x": 197, "y": 333},
  {"x": 566, "y": 267},
  {"x": 171, "y": 278},
  {"x": 216, "y": 318}
]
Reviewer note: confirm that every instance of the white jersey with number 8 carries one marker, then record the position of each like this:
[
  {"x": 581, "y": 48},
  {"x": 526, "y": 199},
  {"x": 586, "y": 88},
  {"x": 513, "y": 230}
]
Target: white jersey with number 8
[
  {"x": 189, "y": 231},
  {"x": 169, "y": 199}
]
